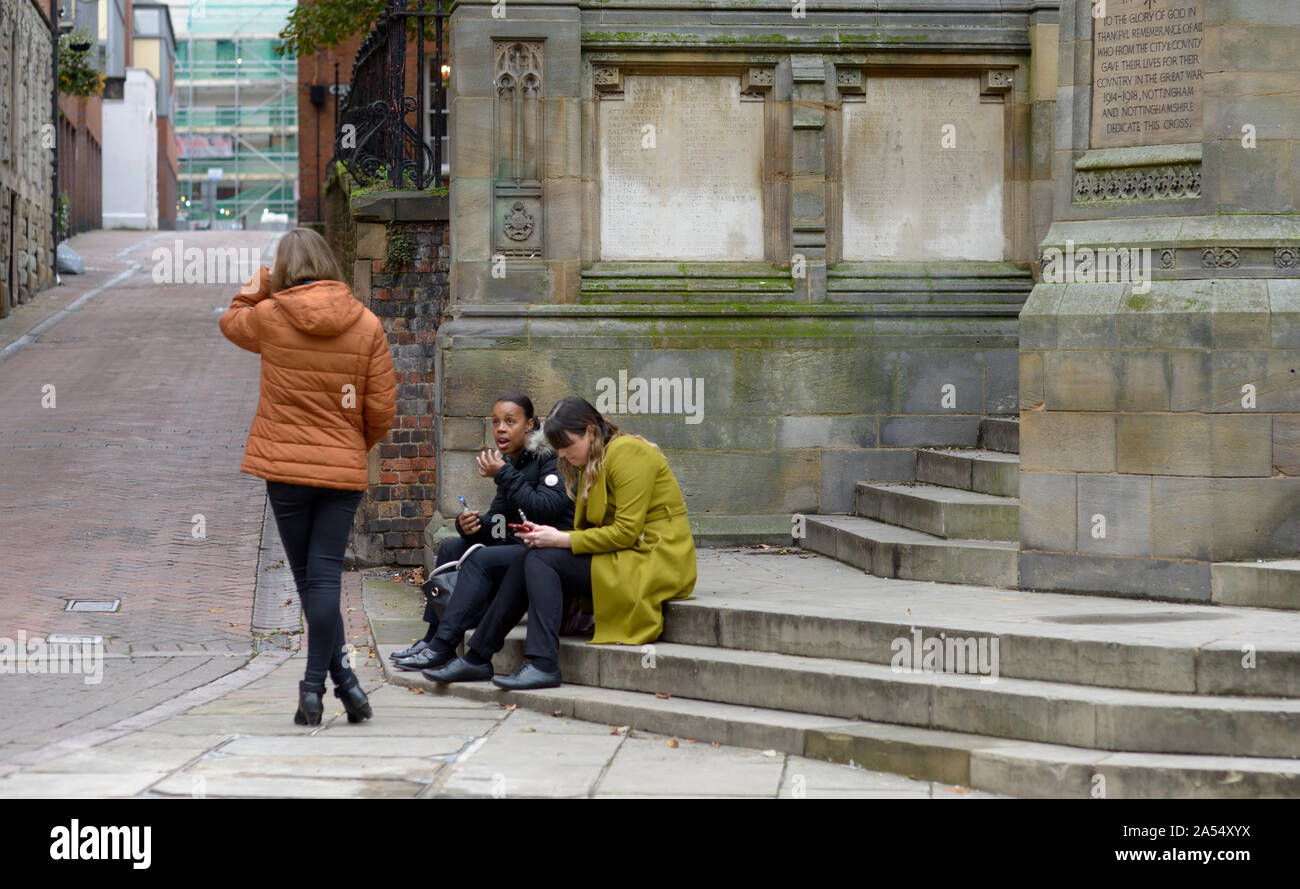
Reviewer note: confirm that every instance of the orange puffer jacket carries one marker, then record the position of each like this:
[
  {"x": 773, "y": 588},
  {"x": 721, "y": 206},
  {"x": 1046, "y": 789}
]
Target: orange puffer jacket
[{"x": 329, "y": 393}]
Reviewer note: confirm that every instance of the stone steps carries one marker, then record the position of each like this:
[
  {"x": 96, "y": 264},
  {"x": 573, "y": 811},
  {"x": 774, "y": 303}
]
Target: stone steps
[
  {"x": 1114, "y": 649},
  {"x": 1266, "y": 584},
  {"x": 983, "y": 763},
  {"x": 1000, "y": 434},
  {"x": 891, "y": 551},
  {"x": 943, "y": 512},
  {"x": 970, "y": 469},
  {"x": 1016, "y": 709}
]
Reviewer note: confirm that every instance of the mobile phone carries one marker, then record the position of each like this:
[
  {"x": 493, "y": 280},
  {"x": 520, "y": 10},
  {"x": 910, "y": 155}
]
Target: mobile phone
[{"x": 463, "y": 502}]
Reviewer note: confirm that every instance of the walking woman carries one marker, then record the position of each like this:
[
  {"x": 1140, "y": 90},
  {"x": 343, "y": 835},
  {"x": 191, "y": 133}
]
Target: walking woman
[
  {"x": 523, "y": 468},
  {"x": 328, "y": 396},
  {"x": 630, "y": 551}
]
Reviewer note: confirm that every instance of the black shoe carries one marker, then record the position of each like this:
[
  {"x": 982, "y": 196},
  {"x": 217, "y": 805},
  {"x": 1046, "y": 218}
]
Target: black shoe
[
  {"x": 412, "y": 651},
  {"x": 354, "y": 699},
  {"x": 428, "y": 659},
  {"x": 310, "y": 706},
  {"x": 527, "y": 677},
  {"x": 459, "y": 670}
]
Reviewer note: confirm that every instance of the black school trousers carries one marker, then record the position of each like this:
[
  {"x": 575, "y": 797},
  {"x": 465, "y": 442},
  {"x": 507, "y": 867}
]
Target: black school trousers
[{"x": 536, "y": 582}]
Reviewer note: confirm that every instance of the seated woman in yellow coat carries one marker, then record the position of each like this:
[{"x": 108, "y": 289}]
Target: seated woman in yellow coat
[{"x": 630, "y": 551}]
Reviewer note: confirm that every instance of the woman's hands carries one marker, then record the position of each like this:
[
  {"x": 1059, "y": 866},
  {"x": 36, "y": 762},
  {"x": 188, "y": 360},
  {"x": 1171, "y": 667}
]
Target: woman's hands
[
  {"x": 538, "y": 536},
  {"x": 489, "y": 463},
  {"x": 468, "y": 521}
]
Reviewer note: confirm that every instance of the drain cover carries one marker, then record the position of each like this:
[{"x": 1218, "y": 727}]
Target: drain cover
[
  {"x": 93, "y": 605},
  {"x": 1141, "y": 617},
  {"x": 72, "y": 639}
]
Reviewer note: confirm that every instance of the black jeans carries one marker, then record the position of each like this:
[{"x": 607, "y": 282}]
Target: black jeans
[
  {"x": 314, "y": 526},
  {"x": 477, "y": 583},
  {"x": 537, "y": 583}
]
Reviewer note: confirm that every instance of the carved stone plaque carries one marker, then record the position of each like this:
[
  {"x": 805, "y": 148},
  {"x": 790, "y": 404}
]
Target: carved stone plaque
[
  {"x": 681, "y": 170},
  {"x": 923, "y": 171},
  {"x": 1147, "y": 58}
]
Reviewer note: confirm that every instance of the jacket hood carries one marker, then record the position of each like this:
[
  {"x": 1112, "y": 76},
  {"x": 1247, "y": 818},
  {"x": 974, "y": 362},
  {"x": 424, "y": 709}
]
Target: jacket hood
[
  {"x": 536, "y": 443},
  {"x": 321, "y": 308}
]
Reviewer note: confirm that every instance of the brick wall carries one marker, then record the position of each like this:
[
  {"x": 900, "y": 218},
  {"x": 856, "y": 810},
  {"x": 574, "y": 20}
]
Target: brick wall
[{"x": 410, "y": 299}]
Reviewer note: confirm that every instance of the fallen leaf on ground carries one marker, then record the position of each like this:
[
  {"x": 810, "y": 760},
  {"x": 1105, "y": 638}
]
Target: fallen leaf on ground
[
  {"x": 662, "y": 696},
  {"x": 529, "y": 729},
  {"x": 672, "y": 742},
  {"x": 957, "y": 789},
  {"x": 691, "y": 741},
  {"x": 216, "y": 611},
  {"x": 715, "y": 745},
  {"x": 511, "y": 706}
]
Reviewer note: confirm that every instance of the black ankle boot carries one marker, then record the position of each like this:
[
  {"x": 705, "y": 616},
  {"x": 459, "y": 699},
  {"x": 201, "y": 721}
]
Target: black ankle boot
[
  {"x": 310, "y": 705},
  {"x": 354, "y": 699}
]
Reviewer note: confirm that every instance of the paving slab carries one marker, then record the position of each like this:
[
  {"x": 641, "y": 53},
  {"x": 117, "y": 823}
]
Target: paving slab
[
  {"x": 343, "y": 746},
  {"x": 77, "y": 785},
  {"x": 184, "y": 784},
  {"x": 649, "y": 766},
  {"x": 404, "y": 768}
]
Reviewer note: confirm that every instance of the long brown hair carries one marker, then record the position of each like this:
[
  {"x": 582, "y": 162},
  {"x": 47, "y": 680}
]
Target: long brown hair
[
  {"x": 571, "y": 418},
  {"x": 300, "y": 256}
]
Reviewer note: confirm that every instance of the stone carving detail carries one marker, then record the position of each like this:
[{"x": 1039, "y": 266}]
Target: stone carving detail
[
  {"x": 607, "y": 79},
  {"x": 997, "y": 81},
  {"x": 1221, "y": 258},
  {"x": 1138, "y": 183},
  {"x": 518, "y": 69},
  {"x": 851, "y": 81},
  {"x": 756, "y": 83},
  {"x": 1286, "y": 257},
  {"x": 1168, "y": 258},
  {"x": 518, "y": 223}
]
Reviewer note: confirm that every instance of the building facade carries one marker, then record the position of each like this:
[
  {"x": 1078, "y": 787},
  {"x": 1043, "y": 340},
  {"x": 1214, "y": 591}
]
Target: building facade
[
  {"x": 236, "y": 116},
  {"x": 28, "y": 139}
]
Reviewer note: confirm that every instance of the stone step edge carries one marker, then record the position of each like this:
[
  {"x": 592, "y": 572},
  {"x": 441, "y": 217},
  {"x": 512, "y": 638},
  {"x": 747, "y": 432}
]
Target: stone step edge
[
  {"x": 1270, "y": 583},
  {"x": 925, "y": 537},
  {"x": 1198, "y": 653},
  {"x": 925, "y": 491},
  {"x": 892, "y": 551},
  {"x": 1153, "y": 709},
  {"x": 928, "y": 754},
  {"x": 973, "y": 461},
  {"x": 926, "y": 496}
]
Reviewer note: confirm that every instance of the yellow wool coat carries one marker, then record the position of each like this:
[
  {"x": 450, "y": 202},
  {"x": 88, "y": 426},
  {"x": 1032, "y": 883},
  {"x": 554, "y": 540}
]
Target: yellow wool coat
[{"x": 633, "y": 522}]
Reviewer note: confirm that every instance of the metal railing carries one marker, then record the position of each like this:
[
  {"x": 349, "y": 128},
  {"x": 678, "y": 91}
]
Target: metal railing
[{"x": 373, "y": 139}]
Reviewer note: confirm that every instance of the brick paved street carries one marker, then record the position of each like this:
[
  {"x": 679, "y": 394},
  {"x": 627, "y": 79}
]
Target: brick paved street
[{"x": 98, "y": 493}]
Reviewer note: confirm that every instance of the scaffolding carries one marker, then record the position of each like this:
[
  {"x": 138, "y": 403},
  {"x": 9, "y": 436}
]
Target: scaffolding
[{"x": 236, "y": 116}]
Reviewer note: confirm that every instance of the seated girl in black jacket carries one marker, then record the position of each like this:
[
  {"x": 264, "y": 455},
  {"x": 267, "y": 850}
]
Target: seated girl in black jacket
[{"x": 526, "y": 477}]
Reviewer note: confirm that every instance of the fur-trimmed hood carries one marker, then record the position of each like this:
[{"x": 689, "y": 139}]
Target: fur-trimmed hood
[{"x": 537, "y": 444}]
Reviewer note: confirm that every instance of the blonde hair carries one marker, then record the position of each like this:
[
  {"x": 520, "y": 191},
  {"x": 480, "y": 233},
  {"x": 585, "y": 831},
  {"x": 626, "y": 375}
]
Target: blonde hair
[
  {"x": 572, "y": 417},
  {"x": 302, "y": 255}
]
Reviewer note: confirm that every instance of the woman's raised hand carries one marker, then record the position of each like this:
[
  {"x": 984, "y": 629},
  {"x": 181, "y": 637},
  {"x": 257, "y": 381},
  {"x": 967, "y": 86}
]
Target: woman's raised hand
[
  {"x": 489, "y": 462},
  {"x": 538, "y": 536}
]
